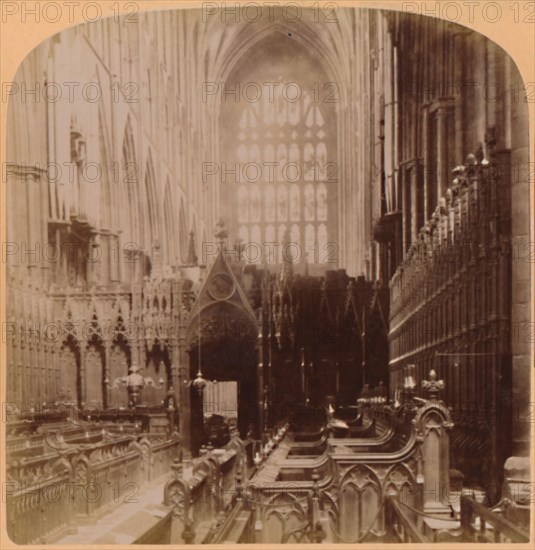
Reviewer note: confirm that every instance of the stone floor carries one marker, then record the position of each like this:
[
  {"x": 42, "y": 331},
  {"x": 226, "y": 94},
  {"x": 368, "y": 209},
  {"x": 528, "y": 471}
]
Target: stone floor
[{"x": 127, "y": 521}]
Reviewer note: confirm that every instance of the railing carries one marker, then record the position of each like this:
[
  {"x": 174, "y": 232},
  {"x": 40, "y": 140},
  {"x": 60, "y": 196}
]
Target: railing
[
  {"x": 38, "y": 510},
  {"x": 400, "y": 525},
  {"x": 502, "y": 529}
]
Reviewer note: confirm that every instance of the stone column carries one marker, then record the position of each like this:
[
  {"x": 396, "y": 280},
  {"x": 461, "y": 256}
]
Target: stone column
[
  {"x": 459, "y": 71},
  {"x": 414, "y": 200},
  {"x": 428, "y": 170},
  {"x": 260, "y": 381},
  {"x": 107, "y": 381},
  {"x": 406, "y": 214},
  {"x": 174, "y": 356},
  {"x": 521, "y": 265},
  {"x": 442, "y": 150},
  {"x": 32, "y": 181},
  {"x": 184, "y": 400},
  {"x": 82, "y": 372}
]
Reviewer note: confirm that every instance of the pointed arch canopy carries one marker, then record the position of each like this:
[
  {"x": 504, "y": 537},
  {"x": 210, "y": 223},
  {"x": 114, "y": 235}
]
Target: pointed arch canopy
[{"x": 221, "y": 310}]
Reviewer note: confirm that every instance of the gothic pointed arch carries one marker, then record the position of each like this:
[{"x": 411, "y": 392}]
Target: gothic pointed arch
[
  {"x": 360, "y": 495},
  {"x": 120, "y": 361},
  {"x": 221, "y": 301},
  {"x": 150, "y": 204},
  {"x": 94, "y": 358},
  {"x": 108, "y": 201},
  {"x": 239, "y": 42},
  {"x": 130, "y": 184},
  {"x": 69, "y": 360}
]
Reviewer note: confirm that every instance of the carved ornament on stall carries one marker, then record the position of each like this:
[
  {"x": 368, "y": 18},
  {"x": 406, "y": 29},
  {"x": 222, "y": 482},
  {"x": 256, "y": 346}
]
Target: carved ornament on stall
[{"x": 433, "y": 386}]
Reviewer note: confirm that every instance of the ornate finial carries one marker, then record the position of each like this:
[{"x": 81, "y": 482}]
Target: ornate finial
[
  {"x": 471, "y": 163},
  {"x": 408, "y": 378},
  {"x": 176, "y": 467},
  {"x": 433, "y": 386},
  {"x": 470, "y": 159},
  {"x": 459, "y": 170},
  {"x": 408, "y": 385},
  {"x": 221, "y": 232}
]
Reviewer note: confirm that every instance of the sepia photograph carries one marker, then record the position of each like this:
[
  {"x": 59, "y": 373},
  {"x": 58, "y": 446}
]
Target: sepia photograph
[{"x": 267, "y": 275}]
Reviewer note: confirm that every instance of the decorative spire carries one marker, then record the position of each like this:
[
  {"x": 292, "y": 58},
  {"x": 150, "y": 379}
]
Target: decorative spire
[
  {"x": 157, "y": 260},
  {"x": 192, "y": 257},
  {"x": 287, "y": 260},
  {"x": 239, "y": 247}
]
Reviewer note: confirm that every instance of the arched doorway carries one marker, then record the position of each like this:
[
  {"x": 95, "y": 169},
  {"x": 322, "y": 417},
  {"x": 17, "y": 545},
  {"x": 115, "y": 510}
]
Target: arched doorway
[
  {"x": 156, "y": 370},
  {"x": 225, "y": 352},
  {"x": 120, "y": 359},
  {"x": 69, "y": 383},
  {"x": 94, "y": 374},
  {"x": 226, "y": 360}
]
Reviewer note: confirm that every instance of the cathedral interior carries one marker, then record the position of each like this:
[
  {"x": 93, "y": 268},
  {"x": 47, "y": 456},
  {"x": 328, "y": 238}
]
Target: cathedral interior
[{"x": 268, "y": 282}]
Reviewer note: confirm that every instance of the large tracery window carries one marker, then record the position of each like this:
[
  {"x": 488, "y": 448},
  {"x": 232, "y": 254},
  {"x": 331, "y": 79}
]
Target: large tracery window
[
  {"x": 282, "y": 146},
  {"x": 282, "y": 179}
]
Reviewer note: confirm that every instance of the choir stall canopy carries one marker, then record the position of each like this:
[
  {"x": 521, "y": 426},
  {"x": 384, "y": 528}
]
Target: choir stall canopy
[{"x": 222, "y": 338}]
